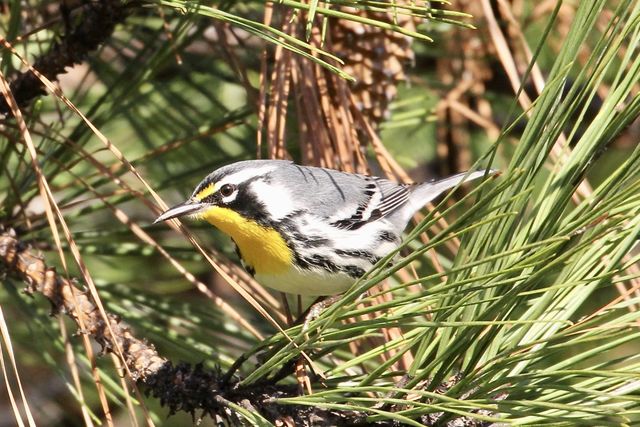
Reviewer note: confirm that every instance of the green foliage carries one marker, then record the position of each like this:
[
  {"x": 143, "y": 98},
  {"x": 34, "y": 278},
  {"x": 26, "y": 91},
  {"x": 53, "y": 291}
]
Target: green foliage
[
  {"x": 523, "y": 326},
  {"x": 512, "y": 314}
]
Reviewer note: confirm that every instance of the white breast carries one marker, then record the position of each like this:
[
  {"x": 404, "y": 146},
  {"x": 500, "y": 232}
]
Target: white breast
[{"x": 314, "y": 282}]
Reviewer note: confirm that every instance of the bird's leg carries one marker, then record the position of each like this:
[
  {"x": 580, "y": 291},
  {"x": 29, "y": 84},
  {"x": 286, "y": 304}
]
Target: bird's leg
[
  {"x": 399, "y": 384},
  {"x": 304, "y": 383},
  {"x": 308, "y": 316},
  {"x": 315, "y": 309},
  {"x": 300, "y": 371},
  {"x": 312, "y": 313}
]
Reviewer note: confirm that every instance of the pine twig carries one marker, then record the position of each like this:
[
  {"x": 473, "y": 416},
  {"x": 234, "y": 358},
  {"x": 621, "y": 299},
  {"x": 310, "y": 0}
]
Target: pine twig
[
  {"x": 20, "y": 261},
  {"x": 180, "y": 387},
  {"x": 96, "y": 25}
]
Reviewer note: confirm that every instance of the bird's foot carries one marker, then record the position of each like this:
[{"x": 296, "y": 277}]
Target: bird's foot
[{"x": 316, "y": 309}]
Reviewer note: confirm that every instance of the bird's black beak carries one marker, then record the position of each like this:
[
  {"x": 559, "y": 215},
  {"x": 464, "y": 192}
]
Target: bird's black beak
[{"x": 189, "y": 207}]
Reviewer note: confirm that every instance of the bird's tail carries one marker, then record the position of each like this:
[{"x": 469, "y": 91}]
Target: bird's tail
[{"x": 422, "y": 194}]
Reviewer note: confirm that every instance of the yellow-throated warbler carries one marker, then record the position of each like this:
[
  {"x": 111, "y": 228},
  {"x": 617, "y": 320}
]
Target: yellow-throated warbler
[{"x": 308, "y": 230}]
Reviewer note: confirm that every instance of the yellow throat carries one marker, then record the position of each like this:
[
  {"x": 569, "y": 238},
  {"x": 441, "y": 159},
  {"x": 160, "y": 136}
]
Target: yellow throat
[{"x": 262, "y": 248}]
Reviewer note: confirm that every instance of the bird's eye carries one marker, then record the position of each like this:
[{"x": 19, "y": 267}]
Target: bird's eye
[{"x": 227, "y": 190}]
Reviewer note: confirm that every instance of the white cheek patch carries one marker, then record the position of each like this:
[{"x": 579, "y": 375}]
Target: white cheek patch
[{"x": 276, "y": 198}]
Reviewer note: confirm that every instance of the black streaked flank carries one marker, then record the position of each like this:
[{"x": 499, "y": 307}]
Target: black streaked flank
[
  {"x": 358, "y": 254},
  {"x": 309, "y": 241},
  {"x": 326, "y": 264},
  {"x": 353, "y": 271},
  {"x": 386, "y": 236}
]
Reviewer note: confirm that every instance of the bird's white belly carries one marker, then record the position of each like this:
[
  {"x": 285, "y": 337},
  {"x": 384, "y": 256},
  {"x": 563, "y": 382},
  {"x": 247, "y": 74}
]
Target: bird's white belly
[{"x": 307, "y": 282}]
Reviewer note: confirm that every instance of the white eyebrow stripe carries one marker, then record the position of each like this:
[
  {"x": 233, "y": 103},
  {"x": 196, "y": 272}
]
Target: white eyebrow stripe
[{"x": 245, "y": 174}]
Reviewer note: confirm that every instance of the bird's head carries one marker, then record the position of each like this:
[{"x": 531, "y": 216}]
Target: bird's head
[{"x": 232, "y": 188}]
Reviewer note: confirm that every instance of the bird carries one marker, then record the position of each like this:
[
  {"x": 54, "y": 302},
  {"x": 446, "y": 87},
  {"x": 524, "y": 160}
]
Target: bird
[{"x": 308, "y": 230}]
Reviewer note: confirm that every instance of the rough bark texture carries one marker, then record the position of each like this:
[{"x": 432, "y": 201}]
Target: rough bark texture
[{"x": 20, "y": 261}]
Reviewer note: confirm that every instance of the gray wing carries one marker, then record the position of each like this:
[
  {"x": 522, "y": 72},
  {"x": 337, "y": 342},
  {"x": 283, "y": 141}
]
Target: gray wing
[
  {"x": 382, "y": 198},
  {"x": 347, "y": 200},
  {"x": 394, "y": 195}
]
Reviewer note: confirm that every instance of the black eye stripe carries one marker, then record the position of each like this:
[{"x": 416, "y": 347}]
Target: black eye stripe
[{"x": 213, "y": 198}]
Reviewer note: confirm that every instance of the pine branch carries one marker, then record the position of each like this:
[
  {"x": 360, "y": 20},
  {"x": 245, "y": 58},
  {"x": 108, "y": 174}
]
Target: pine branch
[
  {"x": 20, "y": 261},
  {"x": 95, "y": 25},
  {"x": 180, "y": 387}
]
